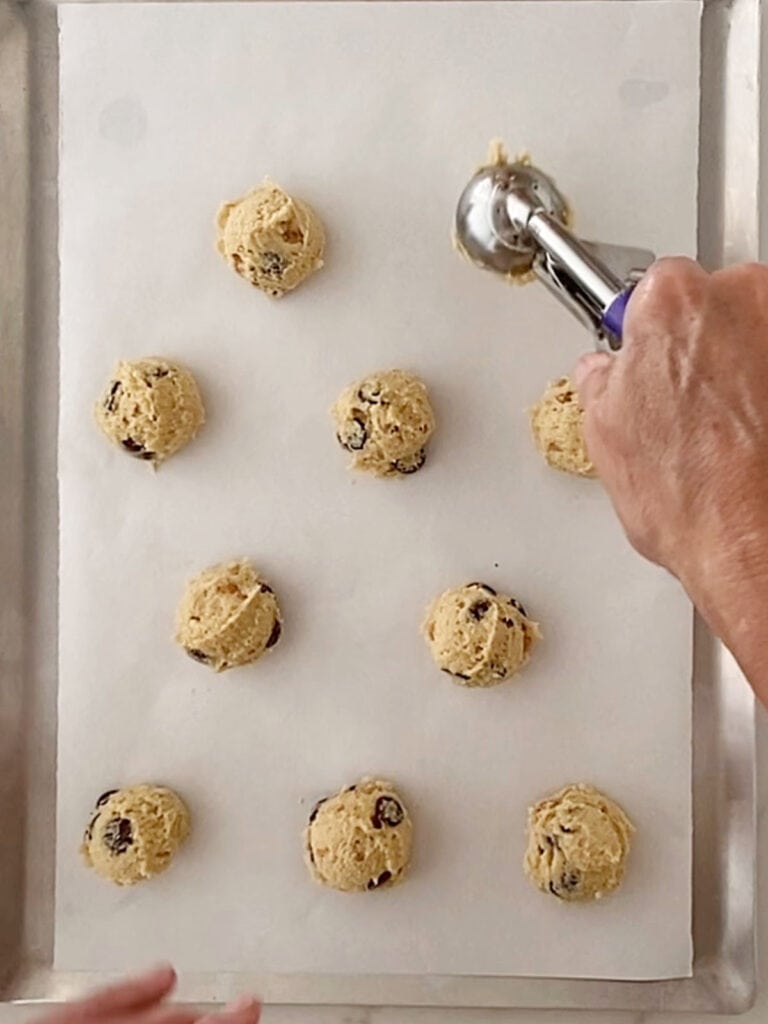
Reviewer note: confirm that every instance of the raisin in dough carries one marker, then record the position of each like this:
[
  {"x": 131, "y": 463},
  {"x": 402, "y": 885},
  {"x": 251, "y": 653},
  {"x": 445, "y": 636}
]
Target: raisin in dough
[
  {"x": 151, "y": 408},
  {"x": 360, "y": 839},
  {"x": 273, "y": 240},
  {"x": 557, "y": 426},
  {"x": 134, "y": 833},
  {"x": 578, "y": 844},
  {"x": 385, "y": 421},
  {"x": 479, "y": 637},
  {"x": 228, "y": 616}
]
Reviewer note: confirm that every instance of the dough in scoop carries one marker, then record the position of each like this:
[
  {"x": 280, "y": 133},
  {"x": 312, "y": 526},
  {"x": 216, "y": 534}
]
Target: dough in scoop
[
  {"x": 556, "y": 423},
  {"x": 478, "y": 636},
  {"x": 228, "y": 616},
  {"x": 499, "y": 157},
  {"x": 273, "y": 240},
  {"x": 359, "y": 839},
  {"x": 150, "y": 408},
  {"x": 134, "y": 833},
  {"x": 385, "y": 421},
  {"x": 578, "y": 844}
]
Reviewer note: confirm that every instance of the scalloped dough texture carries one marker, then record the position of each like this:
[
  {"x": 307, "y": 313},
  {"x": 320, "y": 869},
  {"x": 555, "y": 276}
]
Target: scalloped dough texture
[
  {"x": 578, "y": 844},
  {"x": 479, "y": 637},
  {"x": 228, "y": 616},
  {"x": 134, "y": 833},
  {"x": 557, "y": 427},
  {"x": 271, "y": 239},
  {"x": 385, "y": 421},
  {"x": 150, "y": 408},
  {"x": 360, "y": 839}
]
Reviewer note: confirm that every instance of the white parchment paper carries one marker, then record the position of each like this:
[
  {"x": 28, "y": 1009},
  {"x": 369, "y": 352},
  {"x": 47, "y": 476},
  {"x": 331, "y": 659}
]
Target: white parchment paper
[{"x": 376, "y": 113}]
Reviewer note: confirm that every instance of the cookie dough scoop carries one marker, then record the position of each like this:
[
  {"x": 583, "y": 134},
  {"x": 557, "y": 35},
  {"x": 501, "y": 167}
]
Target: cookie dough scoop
[{"x": 512, "y": 219}]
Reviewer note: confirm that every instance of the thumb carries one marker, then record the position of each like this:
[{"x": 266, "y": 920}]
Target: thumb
[{"x": 591, "y": 376}]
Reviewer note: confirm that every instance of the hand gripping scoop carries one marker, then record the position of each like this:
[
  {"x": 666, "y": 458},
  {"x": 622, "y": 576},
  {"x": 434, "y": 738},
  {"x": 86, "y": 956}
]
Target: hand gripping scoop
[{"x": 512, "y": 219}]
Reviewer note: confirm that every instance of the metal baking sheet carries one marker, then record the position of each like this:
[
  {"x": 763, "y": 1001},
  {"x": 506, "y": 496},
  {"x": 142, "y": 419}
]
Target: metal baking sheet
[{"x": 723, "y": 969}]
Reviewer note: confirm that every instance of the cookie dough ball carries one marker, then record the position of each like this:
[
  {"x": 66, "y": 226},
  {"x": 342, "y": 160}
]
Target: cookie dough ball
[
  {"x": 385, "y": 421},
  {"x": 556, "y": 423},
  {"x": 273, "y": 240},
  {"x": 578, "y": 844},
  {"x": 360, "y": 839},
  {"x": 479, "y": 637},
  {"x": 228, "y": 616},
  {"x": 134, "y": 833},
  {"x": 151, "y": 408}
]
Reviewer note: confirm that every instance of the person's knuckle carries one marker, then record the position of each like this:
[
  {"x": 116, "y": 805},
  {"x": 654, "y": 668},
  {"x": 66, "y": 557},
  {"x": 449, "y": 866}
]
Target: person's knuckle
[
  {"x": 671, "y": 288},
  {"x": 757, "y": 272},
  {"x": 751, "y": 273},
  {"x": 755, "y": 279},
  {"x": 743, "y": 287},
  {"x": 677, "y": 275}
]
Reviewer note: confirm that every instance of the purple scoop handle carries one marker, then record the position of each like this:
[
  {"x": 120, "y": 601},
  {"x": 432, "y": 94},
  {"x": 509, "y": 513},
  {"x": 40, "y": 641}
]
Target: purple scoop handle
[{"x": 613, "y": 318}]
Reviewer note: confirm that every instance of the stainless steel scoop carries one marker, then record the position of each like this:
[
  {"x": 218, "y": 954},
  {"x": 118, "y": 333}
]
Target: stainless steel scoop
[{"x": 513, "y": 219}]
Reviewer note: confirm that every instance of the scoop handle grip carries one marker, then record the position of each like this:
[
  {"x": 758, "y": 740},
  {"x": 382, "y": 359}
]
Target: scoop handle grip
[{"x": 613, "y": 318}]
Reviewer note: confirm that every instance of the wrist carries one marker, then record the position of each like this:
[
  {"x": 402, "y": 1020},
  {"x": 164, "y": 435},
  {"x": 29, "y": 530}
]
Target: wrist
[{"x": 727, "y": 580}]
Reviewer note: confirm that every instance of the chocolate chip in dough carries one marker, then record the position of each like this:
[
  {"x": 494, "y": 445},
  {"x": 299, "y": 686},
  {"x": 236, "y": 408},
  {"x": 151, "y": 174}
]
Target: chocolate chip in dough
[
  {"x": 315, "y": 809},
  {"x": 387, "y": 812},
  {"x": 383, "y": 878},
  {"x": 197, "y": 655},
  {"x": 485, "y": 587},
  {"x": 479, "y": 610},
  {"x": 118, "y": 835},
  {"x": 274, "y": 636},
  {"x": 412, "y": 464},
  {"x": 111, "y": 402},
  {"x": 354, "y": 436},
  {"x": 137, "y": 449}
]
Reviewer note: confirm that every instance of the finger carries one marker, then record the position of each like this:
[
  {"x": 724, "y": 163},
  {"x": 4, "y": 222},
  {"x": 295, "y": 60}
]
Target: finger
[
  {"x": 746, "y": 284},
  {"x": 674, "y": 265},
  {"x": 165, "y": 1013},
  {"x": 245, "y": 1010},
  {"x": 170, "y": 1014},
  {"x": 665, "y": 281},
  {"x": 591, "y": 376},
  {"x": 243, "y": 1003},
  {"x": 671, "y": 268},
  {"x": 136, "y": 993}
]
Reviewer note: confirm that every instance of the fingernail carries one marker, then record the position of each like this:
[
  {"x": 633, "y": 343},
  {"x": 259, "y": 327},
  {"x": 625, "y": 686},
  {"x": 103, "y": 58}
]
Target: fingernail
[
  {"x": 164, "y": 967},
  {"x": 242, "y": 1004},
  {"x": 158, "y": 969}
]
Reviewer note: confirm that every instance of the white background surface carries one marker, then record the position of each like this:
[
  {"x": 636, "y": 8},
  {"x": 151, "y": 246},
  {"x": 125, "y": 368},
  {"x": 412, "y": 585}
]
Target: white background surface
[{"x": 169, "y": 110}]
